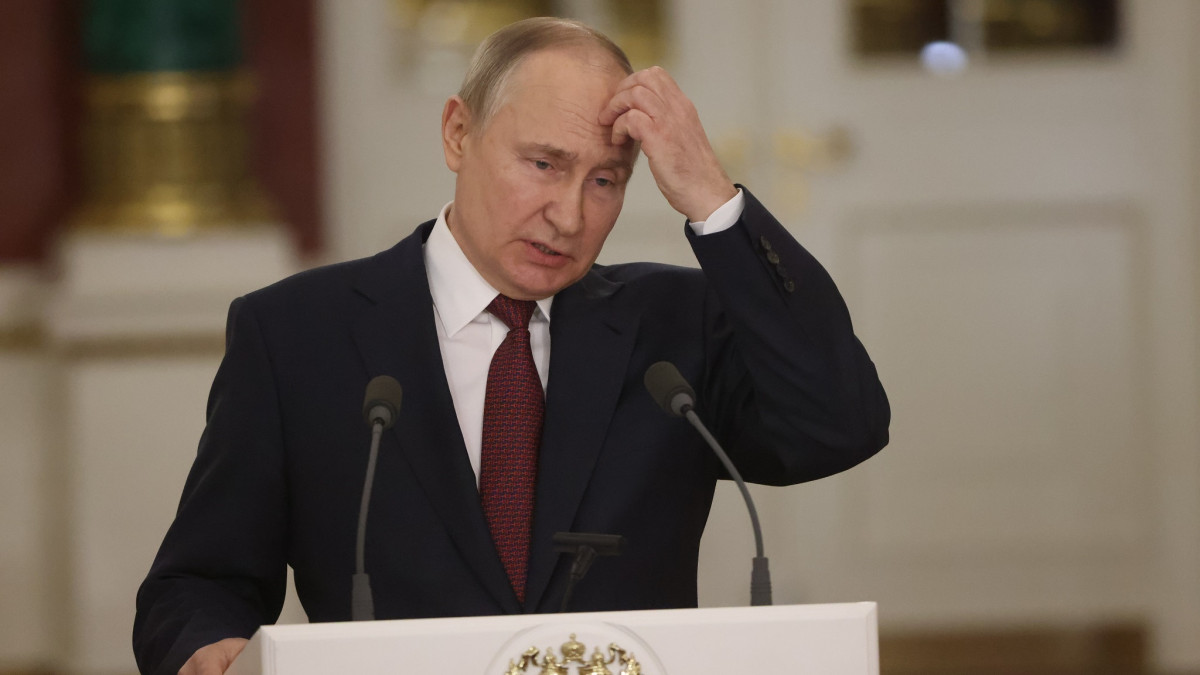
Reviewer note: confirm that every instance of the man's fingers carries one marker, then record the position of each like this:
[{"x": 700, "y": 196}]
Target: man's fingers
[
  {"x": 637, "y": 97},
  {"x": 654, "y": 78},
  {"x": 214, "y": 659},
  {"x": 658, "y": 81},
  {"x": 649, "y": 107},
  {"x": 633, "y": 124},
  {"x": 232, "y": 647},
  {"x": 211, "y": 667},
  {"x": 652, "y": 90}
]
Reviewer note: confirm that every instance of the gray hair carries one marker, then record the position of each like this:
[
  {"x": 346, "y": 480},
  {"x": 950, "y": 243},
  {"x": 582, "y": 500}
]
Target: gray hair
[{"x": 501, "y": 52}]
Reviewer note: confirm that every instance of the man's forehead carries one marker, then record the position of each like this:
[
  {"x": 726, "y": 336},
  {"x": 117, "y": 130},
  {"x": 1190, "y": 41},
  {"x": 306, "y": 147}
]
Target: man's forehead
[
  {"x": 576, "y": 68},
  {"x": 556, "y": 98}
]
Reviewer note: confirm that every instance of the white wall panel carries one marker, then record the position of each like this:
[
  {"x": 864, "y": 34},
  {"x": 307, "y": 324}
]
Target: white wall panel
[
  {"x": 26, "y": 632},
  {"x": 1013, "y": 350},
  {"x": 1012, "y": 343},
  {"x": 28, "y": 486},
  {"x": 134, "y": 427}
]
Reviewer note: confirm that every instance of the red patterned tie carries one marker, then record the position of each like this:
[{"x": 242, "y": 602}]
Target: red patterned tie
[{"x": 513, "y": 409}]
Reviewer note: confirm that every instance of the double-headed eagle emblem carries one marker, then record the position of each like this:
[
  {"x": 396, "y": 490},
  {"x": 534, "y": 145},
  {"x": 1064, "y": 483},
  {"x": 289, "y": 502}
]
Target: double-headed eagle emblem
[{"x": 573, "y": 652}]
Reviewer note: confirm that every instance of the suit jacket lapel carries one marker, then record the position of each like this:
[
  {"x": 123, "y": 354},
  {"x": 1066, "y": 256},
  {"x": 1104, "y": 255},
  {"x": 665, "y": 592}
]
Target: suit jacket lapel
[
  {"x": 397, "y": 337},
  {"x": 590, "y": 344}
]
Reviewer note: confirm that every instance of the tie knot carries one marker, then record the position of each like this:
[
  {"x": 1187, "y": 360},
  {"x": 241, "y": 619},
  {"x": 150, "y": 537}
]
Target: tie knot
[{"x": 514, "y": 313}]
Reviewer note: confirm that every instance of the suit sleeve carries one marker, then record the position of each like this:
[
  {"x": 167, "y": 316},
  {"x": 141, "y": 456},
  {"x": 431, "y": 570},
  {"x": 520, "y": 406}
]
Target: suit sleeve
[
  {"x": 221, "y": 569},
  {"x": 788, "y": 386}
]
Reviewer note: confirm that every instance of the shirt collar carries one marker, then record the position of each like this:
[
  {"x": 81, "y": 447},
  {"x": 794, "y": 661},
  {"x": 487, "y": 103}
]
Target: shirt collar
[{"x": 459, "y": 292}]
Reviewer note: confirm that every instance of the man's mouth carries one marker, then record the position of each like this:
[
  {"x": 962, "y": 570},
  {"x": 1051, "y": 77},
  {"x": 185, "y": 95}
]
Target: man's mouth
[{"x": 545, "y": 249}]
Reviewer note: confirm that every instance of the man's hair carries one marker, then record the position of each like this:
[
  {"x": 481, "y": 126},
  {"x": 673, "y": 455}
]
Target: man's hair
[{"x": 501, "y": 52}]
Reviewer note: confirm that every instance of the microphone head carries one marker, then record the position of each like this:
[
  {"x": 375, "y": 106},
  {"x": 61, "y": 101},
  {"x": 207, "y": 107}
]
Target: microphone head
[
  {"x": 669, "y": 390},
  {"x": 382, "y": 402}
]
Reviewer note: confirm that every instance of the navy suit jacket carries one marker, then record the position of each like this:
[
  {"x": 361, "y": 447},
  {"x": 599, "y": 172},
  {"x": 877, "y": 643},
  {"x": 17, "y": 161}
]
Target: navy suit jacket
[{"x": 761, "y": 333}]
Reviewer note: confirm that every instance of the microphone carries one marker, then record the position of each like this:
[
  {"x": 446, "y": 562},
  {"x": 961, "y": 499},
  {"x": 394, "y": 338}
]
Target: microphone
[
  {"x": 382, "y": 401},
  {"x": 380, "y": 408},
  {"x": 585, "y": 546},
  {"x": 672, "y": 393},
  {"x": 675, "y": 396}
]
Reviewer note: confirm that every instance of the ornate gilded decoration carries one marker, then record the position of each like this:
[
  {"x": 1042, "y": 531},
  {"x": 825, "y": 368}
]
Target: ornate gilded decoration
[
  {"x": 196, "y": 345},
  {"x": 166, "y": 145},
  {"x": 640, "y": 27},
  {"x": 459, "y": 25},
  {"x": 22, "y": 338},
  {"x": 167, "y": 152},
  {"x": 573, "y": 652},
  {"x": 464, "y": 23},
  {"x": 899, "y": 27}
]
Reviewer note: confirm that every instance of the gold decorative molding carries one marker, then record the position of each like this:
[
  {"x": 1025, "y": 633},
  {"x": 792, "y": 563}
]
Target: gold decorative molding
[
  {"x": 798, "y": 154},
  {"x": 801, "y": 150},
  {"x": 22, "y": 338},
  {"x": 141, "y": 346},
  {"x": 462, "y": 24},
  {"x": 168, "y": 153},
  {"x": 35, "y": 338},
  {"x": 904, "y": 27},
  {"x": 638, "y": 26}
]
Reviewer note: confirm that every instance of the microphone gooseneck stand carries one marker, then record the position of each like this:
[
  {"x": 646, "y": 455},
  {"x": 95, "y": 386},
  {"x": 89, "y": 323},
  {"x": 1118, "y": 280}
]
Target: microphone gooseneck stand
[
  {"x": 380, "y": 409},
  {"x": 675, "y": 396}
]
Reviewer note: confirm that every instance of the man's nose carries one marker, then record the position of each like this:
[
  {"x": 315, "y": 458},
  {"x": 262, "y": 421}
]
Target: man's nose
[{"x": 565, "y": 209}]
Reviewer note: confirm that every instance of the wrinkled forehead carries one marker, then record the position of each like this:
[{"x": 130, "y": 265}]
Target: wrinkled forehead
[{"x": 585, "y": 74}]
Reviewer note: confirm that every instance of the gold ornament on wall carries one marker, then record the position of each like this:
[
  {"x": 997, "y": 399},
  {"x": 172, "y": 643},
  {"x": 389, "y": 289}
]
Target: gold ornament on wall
[
  {"x": 890, "y": 28},
  {"x": 459, "y": 25},
  {"x": 167, "y": 153},
  {"x": 166, "y": 139}
]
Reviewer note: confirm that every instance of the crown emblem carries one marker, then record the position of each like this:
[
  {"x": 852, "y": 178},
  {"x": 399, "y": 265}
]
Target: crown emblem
[{"x": 572, "y": 653}]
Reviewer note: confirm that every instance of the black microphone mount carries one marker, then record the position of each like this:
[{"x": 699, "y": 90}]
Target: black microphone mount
[{"x": 585, "y": 547}]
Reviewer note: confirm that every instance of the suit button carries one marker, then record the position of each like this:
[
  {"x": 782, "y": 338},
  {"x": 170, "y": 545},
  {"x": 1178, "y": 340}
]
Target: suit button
[
  {"x": 772, "y": 257},
  {"x": 764, "y": 243},
  {"x": 781, "y": 271},
  {"x": 789, "y": 285}
]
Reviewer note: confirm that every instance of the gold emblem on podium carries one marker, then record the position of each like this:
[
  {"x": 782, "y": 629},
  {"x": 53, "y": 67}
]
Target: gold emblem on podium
[{"x": 573, "y": 652}]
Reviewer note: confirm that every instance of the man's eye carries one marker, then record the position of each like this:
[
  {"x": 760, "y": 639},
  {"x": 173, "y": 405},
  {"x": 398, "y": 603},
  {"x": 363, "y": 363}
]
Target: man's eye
[
  {"x": 603, "y": 182},
  {"x": 542, "y": 164}
]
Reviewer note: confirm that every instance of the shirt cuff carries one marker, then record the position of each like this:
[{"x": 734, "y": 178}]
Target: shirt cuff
[{"x": 723, "y": 218}]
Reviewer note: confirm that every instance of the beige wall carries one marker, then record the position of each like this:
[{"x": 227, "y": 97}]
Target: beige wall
[
  {"x": 25, "y": 626},
  {"x": 94, "y": 442}
]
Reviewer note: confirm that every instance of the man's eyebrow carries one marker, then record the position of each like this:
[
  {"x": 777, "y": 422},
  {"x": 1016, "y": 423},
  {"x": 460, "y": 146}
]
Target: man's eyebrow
[
  {"x": 568, "y": 156},
  {"x": 550, "y": 150},
  {"x": 617, "y": 164}
]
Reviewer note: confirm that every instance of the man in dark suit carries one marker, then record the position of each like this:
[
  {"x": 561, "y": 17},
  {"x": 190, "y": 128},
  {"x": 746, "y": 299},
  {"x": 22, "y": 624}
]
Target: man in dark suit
[{"x": 542, "y": 138}]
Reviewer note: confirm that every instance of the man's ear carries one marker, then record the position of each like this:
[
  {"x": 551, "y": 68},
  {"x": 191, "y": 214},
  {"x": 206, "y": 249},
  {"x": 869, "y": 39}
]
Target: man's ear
[{"x": 456, "y": 122}]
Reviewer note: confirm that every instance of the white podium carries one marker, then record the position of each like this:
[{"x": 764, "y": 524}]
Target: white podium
[{"x": 839, "y": 639}]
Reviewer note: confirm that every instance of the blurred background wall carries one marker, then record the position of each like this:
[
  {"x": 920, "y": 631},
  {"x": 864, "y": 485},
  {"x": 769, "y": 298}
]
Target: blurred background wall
[{"x": 1014, "y": 222}]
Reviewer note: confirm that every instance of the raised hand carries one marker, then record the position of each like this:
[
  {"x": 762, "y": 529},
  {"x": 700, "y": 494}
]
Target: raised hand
[{"x": 650, "y": 108}]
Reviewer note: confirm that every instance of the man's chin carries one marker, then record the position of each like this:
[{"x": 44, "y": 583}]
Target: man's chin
[{"x": 540, "y": 288}]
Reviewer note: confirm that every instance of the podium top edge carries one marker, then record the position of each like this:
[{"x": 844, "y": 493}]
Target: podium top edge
[{"x": 633, "y": 619}]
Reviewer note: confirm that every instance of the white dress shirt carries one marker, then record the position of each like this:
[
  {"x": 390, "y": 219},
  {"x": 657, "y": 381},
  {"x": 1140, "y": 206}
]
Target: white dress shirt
[{"x": 468, "y": 335}]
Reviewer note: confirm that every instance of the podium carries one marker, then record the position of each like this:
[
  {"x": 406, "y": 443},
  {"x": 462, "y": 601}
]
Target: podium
[{"x": 833, "y": 639}]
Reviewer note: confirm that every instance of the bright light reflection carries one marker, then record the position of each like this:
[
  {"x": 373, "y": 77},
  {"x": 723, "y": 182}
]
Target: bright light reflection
[{"x": 944, "y": 59}]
